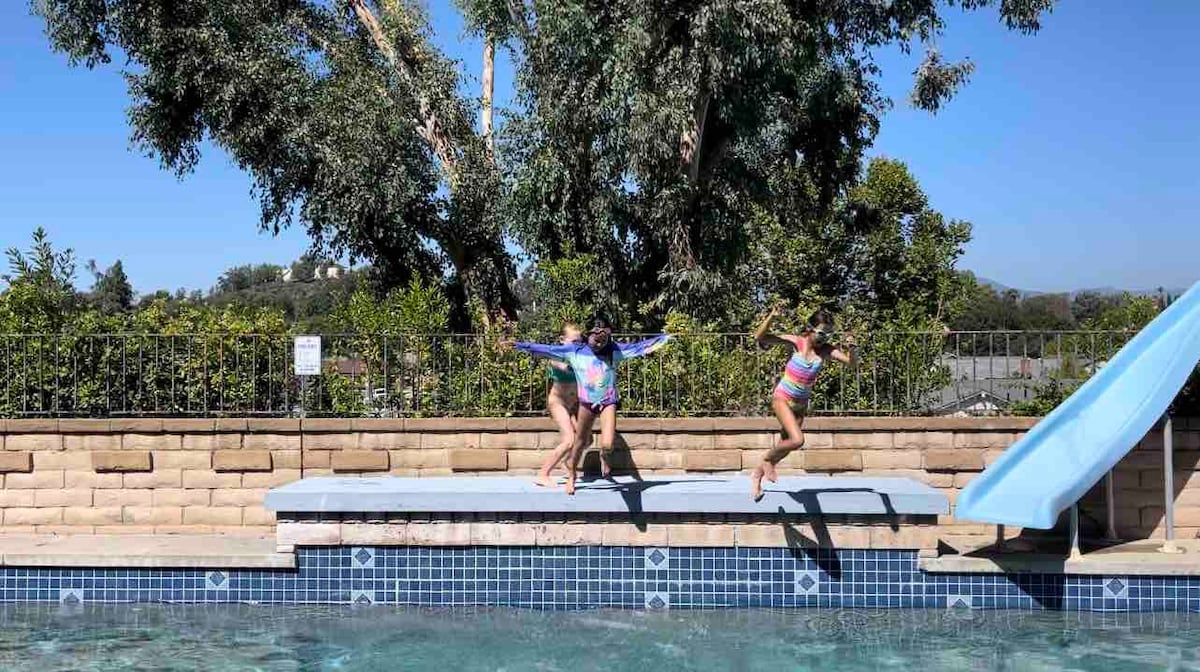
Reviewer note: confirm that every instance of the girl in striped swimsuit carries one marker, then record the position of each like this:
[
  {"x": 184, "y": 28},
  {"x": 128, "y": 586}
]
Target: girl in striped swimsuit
[{"x": 791, "y": 396}]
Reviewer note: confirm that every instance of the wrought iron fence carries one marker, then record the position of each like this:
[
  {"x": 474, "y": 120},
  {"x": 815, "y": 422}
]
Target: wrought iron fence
[{"x": 182, "y": 375}]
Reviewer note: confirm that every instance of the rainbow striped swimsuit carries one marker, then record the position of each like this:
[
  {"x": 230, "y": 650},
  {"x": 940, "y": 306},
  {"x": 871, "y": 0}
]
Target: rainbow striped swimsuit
[{"x": 798, "y": 377}]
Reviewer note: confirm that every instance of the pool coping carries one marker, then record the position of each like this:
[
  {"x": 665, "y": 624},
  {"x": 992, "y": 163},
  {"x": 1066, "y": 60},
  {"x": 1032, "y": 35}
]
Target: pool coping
[
  {"x": 143, "y": 552},
  {"x": 684, "y": 494}
]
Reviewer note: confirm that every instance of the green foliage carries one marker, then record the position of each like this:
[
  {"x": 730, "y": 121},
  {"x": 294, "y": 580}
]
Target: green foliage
[
  {"x": 111, "y": 292},
  {"x": 569, "y": 289},
  {"x": 984, "y": 308},
  {"x": 655, "y": 137},
  {"x": 240, "y": 278},
  {"x": 384, "y": 335},
  {"x": 1081, "y": 355},
  {"x": 192, "y": 360},
  {"x": 1127, "y": 313},
  {"x": 376, "y": 159},
  {"x": 652, "y": 137},
  {"x": 1046, "y": 397},
  {"x": 416, "y": 309},
  {"x": 40, "y": 295},
  {"x": 307, "y": 306}
]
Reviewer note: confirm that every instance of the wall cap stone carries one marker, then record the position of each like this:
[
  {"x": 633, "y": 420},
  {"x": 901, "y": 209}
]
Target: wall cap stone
[
  {"x": 378, "y": 424},
  {"x": 498, "y": 424},
  {"x": 31, "y": 426},
  {"x": 136, "y": 425}
]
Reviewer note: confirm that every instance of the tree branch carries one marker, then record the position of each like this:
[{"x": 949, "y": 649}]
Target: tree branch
[
  {"x": 429, "y": 125},
  {"x": 692, "y": 139}
]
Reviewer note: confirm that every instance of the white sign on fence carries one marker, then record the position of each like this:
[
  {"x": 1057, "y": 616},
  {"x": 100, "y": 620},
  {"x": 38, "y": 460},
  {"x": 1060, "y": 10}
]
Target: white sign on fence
[{"x": 308, "y": 356}]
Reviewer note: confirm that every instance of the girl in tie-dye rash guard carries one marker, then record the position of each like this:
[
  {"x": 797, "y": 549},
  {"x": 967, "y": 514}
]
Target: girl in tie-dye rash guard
[
  {"x": 594, "y": 365},
  {"x": 810, "y": 350}
]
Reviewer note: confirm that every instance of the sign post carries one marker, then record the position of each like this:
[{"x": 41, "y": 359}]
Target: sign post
[{"x": 307, "y": 362}]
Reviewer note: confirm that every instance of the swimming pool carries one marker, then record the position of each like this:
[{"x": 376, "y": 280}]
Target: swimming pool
[{"x": 232, "y": 637}]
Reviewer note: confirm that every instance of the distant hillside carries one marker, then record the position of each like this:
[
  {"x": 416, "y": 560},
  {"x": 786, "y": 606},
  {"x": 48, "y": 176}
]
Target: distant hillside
[
  {"x": 307, "y": 303},
  {"x": 1103, "y": 291}
]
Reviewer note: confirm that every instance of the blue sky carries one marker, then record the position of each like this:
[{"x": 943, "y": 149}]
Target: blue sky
[{"x": 1071, "y": 151}]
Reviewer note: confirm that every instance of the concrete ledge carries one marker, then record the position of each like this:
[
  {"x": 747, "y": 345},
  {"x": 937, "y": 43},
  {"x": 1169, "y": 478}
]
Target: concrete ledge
[
  {"x": 143, "y": 551},
  {"x": 808, "y": 495},
  {"x": 1136, "y": 558}
]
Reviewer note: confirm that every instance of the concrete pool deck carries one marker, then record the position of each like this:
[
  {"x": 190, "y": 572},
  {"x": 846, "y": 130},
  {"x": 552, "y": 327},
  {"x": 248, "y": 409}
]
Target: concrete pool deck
[
  {"x": 802, "y": 495},
  {"x": 143, "y": 551}
]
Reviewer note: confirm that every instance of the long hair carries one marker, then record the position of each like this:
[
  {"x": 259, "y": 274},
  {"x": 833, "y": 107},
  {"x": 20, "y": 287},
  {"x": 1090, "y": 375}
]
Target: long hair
[{"x": 818, "y": 318}]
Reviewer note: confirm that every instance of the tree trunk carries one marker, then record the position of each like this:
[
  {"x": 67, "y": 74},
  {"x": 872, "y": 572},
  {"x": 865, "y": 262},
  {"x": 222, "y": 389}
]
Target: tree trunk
[
  {"x": 482, "y": 271},
  {"x": 489, "y": 89}
]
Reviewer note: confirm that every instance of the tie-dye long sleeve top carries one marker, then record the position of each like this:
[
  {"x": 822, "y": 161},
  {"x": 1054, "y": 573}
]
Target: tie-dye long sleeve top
[{"x": 595, "y": 377}]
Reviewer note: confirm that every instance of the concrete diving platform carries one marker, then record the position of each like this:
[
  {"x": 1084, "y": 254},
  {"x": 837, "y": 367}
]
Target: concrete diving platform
[{"x": 795, "y": 495}]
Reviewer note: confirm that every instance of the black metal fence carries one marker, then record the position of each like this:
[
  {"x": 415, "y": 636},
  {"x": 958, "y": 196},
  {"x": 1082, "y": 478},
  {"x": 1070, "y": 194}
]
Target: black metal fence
[{"x": 186, "y": 375}]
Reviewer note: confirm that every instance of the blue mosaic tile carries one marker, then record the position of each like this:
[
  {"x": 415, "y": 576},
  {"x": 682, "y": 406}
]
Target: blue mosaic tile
[
  {"x": 216, "y": 580},
  {"x": 1116, "y": 587},
  {"x": 588, "y": 577},
  {"x": 658, "y": 558},
  {"x": 71, "y": 596},
  {"x": 362, "y": 558},
  {"x": 657, "y": 600}
]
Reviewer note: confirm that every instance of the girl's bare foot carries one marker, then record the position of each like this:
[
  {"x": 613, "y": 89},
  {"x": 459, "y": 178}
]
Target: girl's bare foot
[
  {"x": 543, "y": 479},
  {"x": 756, "y": 490},
  {"x": 570, "y": 486},
  {"x": 605, "y": 467},
  {"x": 769, "y": 471}
]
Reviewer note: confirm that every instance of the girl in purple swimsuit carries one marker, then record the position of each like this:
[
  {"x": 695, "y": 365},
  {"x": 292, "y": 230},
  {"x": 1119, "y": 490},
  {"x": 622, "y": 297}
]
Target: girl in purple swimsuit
[
  {"x": 594, "y": 365},
  {"x": 810, "y": 350}
]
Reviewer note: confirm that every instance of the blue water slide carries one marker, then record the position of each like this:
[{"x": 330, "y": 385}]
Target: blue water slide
[{"x": 1073, "y": 447}]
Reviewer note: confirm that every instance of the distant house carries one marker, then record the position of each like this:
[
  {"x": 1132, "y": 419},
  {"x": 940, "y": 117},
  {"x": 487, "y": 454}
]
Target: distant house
[
  {"x": 352, "y": 367},
  {"x": 979, "y": 402},
  {"x": 286, "y": 275},
  {"x": 983, "y": 385},
  {"x": 328, "y": 272}
]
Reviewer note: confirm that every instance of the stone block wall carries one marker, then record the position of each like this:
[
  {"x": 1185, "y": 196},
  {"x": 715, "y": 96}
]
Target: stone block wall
[{"x": 210, "y": 476}]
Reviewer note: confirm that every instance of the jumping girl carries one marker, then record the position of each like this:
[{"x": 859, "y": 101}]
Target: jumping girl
[
  {"x": 562, "y": 402},
  {"x": 791, "y": 397},
  {"x": 594, "y": 365}
]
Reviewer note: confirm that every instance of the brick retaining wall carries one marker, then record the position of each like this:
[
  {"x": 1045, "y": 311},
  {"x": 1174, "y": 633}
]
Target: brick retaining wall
[{"x": 195, "y": 476}]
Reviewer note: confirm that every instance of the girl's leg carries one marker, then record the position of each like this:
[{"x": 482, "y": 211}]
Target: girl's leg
[
  {"x": 566, "y": 437},
  {"x": 608, "y": 438},
  {"x": 583, "y": 433},
  {"x": 795, "y": 439}
]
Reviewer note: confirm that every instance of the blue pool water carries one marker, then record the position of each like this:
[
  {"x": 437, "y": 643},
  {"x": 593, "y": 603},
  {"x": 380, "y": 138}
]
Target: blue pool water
[{"x": 230, "y": 637}]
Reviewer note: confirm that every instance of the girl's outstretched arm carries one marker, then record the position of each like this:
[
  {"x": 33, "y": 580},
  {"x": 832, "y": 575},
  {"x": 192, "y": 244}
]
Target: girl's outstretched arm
[
  {"x": 556, "y": 364},
  {"x": 557, "y": 352},
  {"x": 764, "y": 336},
  {"x": 844, "y": 353},
  {"x": 641, "y": 348}
]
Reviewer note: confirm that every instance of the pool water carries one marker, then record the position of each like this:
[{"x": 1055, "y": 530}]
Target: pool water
[{"x": 162, "y": 637}]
